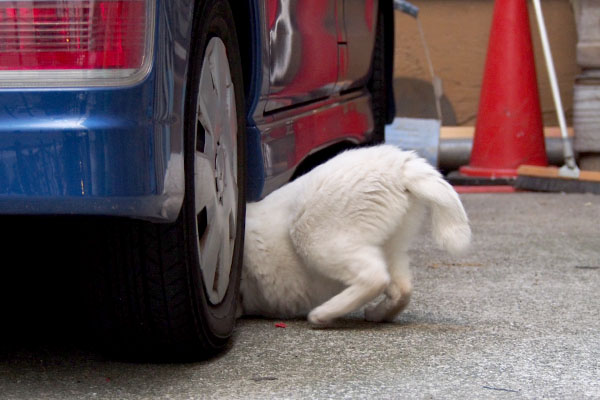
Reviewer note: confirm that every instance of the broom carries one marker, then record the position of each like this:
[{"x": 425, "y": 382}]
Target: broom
[{"x": 567, "y": 178}]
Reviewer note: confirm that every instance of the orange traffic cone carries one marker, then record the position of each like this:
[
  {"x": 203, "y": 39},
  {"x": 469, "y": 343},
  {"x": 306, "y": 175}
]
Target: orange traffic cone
[{"x": 509, "y": 130}]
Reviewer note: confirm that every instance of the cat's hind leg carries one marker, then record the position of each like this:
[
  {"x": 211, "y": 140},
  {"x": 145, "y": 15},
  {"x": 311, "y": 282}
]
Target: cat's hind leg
[
  {"x": 363, "y": 270},
  {"x": 397, "y": 293}
]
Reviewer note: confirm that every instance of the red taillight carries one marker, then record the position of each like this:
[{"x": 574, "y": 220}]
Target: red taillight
[
  {"x": 53, "y": 37},
  {"x": 71, "y": 34}
]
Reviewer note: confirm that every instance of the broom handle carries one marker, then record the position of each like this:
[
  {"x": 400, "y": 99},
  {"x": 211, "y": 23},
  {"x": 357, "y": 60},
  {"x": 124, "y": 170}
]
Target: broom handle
[{"x": 568, "y": 150}]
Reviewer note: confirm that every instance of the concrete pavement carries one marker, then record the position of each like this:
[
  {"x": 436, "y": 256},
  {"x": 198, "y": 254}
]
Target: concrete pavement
[{"x": 517, "y": 317}]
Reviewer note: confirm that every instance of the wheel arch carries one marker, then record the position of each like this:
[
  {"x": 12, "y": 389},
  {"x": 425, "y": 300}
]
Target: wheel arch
[
  {"x": 322, "y": 155},
  {"x": 248, "y": 25}
]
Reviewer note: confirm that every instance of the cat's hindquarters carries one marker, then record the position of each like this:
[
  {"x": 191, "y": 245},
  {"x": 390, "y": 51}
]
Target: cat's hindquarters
[
  {"x": 340, "y": 256},
  {"x": 449, "y": 220}
]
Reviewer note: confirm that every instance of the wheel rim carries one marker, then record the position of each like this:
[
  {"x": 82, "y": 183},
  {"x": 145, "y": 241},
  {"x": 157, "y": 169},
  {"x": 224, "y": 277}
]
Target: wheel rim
[{"x": 215, "y": 171}]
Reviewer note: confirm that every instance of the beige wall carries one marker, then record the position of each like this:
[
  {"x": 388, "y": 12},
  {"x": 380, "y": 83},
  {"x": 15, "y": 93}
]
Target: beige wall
[{"x": 457, "y": 32}]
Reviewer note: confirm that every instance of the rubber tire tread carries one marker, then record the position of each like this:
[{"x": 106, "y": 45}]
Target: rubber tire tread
[
  {"x": 146, "y": 299},
  {"x": 140, "y": 291}
]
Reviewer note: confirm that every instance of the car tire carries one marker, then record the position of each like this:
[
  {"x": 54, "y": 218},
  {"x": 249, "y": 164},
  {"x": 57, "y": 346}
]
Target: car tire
[
  {"x": 171, "y": 290},
  {"x": 377, "y": 82}
]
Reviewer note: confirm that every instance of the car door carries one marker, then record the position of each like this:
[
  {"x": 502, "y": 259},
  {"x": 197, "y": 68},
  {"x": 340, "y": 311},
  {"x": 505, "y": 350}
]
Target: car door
[
  {"x": 357, "y": 39},
  {"x": 303, "y": 51}
]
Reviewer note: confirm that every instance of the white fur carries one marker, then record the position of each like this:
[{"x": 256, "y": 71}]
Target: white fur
[{"x": 336, "y": 238}]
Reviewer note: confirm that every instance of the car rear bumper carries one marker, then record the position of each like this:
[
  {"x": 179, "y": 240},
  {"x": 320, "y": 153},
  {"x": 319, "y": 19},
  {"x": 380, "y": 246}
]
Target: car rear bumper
[{"x": 100, "y": 151}]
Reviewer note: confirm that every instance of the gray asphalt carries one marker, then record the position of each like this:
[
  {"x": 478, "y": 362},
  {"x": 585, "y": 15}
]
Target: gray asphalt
[{"x": 518, "y": 317}]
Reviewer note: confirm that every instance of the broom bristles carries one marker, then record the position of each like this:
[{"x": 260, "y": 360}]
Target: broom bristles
[{"x": 548, "y": 179}]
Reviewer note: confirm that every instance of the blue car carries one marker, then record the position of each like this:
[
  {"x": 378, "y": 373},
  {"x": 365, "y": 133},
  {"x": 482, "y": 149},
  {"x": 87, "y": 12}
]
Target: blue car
[{"x": 160, "y": 119}]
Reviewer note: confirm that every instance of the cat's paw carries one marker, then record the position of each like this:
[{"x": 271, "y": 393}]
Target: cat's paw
[
  {"x": 318, "y": 318},
  {"x": 374, "y": 314}
]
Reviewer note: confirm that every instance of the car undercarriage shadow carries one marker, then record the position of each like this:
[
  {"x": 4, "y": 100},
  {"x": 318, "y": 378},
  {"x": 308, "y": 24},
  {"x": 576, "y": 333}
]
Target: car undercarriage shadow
[
  {"x": 44, "y": 302},
  {"x": 41, "y": 301}
]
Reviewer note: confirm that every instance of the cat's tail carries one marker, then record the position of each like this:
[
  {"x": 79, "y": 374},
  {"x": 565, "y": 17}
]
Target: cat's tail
[{"x": 450, "y": 223}]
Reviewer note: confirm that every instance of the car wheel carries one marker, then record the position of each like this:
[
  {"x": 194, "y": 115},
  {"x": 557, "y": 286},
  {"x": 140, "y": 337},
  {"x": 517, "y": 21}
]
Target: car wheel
[
  {"x": 170, "y": 290},
  {"x": 377, "y": 82}
]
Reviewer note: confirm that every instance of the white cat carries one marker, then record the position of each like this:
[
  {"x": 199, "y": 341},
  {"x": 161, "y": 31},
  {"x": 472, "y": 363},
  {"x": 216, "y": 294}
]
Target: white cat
[{"x": 336, "y": 238}]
